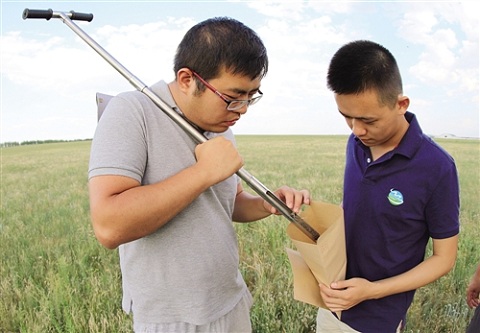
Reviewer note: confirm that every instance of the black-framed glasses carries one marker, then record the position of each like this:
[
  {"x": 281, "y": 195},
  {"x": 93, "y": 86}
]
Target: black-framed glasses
[{"x": 232, "y": 104}]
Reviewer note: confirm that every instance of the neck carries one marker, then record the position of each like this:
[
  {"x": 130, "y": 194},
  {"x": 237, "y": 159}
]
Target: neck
[
  {"x": 178, "y": 97},
  {"x": 380, "y": 150}
]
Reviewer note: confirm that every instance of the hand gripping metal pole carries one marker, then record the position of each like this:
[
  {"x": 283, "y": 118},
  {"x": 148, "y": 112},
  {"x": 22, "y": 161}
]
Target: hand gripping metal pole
[{"x": 256, "y": 185}]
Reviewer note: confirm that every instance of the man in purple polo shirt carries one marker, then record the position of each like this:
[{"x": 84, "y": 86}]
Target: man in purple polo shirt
[{"x": 400, "y": 190}]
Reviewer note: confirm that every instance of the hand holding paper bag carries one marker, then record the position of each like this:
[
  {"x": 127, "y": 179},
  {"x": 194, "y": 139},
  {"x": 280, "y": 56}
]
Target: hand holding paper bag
[{"x": 324, "y": 261}]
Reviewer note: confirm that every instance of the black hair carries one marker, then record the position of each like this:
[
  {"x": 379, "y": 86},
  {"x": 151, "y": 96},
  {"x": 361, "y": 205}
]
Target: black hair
[
  {"x": 365, "y": 65},
  {"x": 222, "y": 43}
]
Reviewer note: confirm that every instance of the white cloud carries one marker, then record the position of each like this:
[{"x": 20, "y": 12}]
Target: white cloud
[
  {"x": 416, "y": 26},
  {"x": 284, "y": 10},
  {"x": 443, "y": 60}
]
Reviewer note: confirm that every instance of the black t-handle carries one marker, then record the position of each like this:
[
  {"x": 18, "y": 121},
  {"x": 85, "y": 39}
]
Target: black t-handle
[{"x": 48, "y": 14}]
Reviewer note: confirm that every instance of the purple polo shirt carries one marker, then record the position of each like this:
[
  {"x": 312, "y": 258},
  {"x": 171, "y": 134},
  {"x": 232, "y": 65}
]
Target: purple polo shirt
[{"x": 392, "y": 207}]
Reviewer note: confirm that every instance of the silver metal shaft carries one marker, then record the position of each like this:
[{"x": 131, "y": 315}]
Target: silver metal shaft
[{"x": 256, "y": 185}]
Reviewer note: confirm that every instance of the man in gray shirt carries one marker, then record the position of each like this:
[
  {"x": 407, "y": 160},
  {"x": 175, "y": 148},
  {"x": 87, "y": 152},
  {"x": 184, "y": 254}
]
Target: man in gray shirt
[{"x": 167, "y": 203}]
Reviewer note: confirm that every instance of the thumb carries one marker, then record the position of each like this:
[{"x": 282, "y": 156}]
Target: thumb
[{"x": 338, "y": 285}]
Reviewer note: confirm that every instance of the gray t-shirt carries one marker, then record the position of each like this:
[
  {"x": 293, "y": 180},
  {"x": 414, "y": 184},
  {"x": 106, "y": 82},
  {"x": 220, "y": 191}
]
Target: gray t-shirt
[{"x": 187, "y": 271}]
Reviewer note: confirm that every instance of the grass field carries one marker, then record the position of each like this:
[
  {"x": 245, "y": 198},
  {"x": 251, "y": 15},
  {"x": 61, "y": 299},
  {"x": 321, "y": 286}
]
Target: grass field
[{"x": 55, "y": 277}]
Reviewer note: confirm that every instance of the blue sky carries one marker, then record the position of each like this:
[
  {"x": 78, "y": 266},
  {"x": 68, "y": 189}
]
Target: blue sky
[{"x": 49, "y": 77}]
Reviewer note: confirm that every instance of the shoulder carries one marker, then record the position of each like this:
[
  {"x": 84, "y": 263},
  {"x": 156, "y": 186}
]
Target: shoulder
[
  {"x": 141, "y": 99},
  {"x": 434, "y": 153},
  {"x": 131, "y": 98}
]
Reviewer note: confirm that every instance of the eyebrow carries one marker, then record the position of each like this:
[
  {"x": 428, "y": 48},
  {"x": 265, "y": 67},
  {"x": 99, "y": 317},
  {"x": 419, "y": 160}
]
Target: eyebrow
[
  {"x": 243, "y": 92},
  {"x": 359, "y": 118}
]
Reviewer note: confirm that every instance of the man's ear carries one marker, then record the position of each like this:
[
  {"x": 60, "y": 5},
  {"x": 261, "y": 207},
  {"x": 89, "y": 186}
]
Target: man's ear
[
  {"x": 185, "y": 80},
  {"x": 403, "y": 104}
]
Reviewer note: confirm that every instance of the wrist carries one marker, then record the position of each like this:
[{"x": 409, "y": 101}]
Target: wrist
[{"x": 266, "y": 207}]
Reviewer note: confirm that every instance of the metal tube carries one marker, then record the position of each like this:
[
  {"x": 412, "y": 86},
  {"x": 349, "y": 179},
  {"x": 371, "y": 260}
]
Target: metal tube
[{"x": 256, "y": 185}]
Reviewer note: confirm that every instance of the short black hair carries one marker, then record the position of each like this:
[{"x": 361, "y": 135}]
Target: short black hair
[
  {"x": 365, "y": 65},
  {"x": 222, "y": 43}
]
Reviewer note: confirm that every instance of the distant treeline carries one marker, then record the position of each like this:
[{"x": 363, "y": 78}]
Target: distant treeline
[{"x": 36, "y": 142}]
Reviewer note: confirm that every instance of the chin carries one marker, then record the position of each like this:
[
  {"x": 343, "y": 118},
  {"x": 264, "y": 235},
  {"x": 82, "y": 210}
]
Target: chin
[{"x": 369, "y": 143}]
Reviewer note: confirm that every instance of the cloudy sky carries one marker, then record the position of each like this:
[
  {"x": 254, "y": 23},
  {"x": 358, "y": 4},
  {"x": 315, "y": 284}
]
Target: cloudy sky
[{"x": 49, "y": 77}]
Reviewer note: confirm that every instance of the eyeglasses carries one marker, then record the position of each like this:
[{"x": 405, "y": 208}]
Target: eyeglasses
[{"x": 232, "y": 104}]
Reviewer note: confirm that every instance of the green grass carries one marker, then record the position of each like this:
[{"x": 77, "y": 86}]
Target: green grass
[{"x": 55, "y": 277}]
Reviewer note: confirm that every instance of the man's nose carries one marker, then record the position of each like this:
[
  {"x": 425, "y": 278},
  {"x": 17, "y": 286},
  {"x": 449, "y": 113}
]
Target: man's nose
[
  {"x": 243, "y": 109},
  {"x": 358, "y": 128}
]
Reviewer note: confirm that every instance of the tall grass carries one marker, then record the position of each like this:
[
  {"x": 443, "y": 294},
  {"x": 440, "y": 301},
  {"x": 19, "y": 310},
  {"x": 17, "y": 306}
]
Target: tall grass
[{"x": 55, "y": 277}]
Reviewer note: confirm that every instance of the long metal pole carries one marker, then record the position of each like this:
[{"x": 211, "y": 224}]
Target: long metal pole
[{"x": 256, "y": 185}]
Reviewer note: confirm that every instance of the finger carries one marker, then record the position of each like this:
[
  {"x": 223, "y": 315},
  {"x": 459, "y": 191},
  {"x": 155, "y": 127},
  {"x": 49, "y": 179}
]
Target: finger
[
  {"x": 306, "y": 197},
  {"x": 300, "y": 198},
  {"x": 336, "y": 285},
  {"x": 329, "y": 293},
  {"x": 298, "y": 201},
  {"x": 288, "y": 196},
  {"x": 269, "y": 208},
  {"x": 285, "y": 194}
]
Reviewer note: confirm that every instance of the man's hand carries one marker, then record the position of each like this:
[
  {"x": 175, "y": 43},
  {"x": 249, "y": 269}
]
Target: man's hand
[
  {"x": 294, "y": 199},
  {"x": 342, "y": 295},
  {"x": 473, "y": 290},
  {"x": 218, "y": 159}
]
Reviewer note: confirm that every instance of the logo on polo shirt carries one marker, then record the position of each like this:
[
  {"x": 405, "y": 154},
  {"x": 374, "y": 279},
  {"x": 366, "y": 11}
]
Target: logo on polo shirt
[{"x": 395, "y": 197}]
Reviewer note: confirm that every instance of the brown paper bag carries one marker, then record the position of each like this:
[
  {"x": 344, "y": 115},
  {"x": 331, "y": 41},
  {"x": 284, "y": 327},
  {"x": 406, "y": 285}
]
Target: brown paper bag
[{"x": 324, "y": 261}]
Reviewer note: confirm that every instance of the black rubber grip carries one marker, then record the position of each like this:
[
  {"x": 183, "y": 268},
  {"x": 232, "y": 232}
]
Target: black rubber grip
[
  {"x": 37, "y": 14},
  {"x": 81, "y": 16},
  {"x": 48, "y": 14}
]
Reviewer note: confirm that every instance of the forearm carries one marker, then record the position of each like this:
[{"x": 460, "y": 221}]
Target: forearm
[
  {"x": 426, "y": 272},
  {"x": 249, "y": 208},
  {"x": 434, "y": 267},
  {"x": 138, "y": 211}
]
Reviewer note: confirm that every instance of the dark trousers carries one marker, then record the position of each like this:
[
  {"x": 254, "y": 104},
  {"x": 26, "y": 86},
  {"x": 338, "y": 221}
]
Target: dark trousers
[{"x": 474, "y": 326}]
